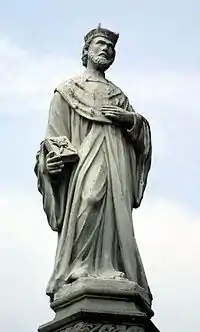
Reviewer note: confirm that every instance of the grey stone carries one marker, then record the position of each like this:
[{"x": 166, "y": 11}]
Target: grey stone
[
  {"x": 128, "y": 294},
  {"x": 92, "y": 169},
  {"x": 98, "y": 327},
  {"x": 101, "y": 304}
]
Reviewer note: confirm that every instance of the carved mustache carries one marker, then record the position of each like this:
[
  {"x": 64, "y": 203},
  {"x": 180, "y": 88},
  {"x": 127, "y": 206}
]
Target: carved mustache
[{"x": 103, "y": 53}]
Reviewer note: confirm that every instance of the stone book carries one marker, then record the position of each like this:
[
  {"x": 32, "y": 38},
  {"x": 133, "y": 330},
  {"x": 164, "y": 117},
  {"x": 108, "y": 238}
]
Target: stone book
[{"x": 62, "y": 147}]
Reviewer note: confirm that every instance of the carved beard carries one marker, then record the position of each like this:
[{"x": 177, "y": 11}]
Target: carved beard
[{"x": 100, "y": 62}]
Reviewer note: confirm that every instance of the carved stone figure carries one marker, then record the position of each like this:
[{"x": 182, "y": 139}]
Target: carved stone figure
[{"x": 89, "y": 200}]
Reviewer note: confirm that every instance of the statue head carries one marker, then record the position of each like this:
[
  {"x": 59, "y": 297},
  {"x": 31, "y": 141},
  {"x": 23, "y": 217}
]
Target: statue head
[{"x": 99, "y": 48}]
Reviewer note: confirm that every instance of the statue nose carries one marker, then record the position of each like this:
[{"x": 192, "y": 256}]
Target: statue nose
[{"x": 105, "y": 48}]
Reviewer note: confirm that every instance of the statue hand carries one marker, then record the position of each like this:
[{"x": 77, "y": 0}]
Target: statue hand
[
  {"x": 54, "y": 164},
  {"x": 119, "y": 115}
]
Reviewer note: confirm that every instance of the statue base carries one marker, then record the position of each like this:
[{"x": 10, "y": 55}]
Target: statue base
[{"x": 100, "y": 305}]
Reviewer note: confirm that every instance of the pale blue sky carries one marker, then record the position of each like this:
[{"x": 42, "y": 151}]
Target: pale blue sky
[
  {"x": 165, "y": 32},
  {"x": 153, "y": 35},
  {"x": 158, "y": 66}
]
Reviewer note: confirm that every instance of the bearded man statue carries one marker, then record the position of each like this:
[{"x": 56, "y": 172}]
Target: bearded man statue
[{"x": 89, "y": 202}]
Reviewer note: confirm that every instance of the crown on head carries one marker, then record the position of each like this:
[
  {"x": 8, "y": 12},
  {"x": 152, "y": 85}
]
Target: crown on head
[{"x": 101, "y": 32}]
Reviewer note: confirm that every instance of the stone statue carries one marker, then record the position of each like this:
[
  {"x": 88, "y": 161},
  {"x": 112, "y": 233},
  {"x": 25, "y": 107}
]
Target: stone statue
[{"x": 89, "y": 199}]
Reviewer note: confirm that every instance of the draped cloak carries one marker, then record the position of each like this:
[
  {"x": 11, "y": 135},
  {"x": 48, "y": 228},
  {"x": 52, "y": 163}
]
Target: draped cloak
[{"x": 90, "y": 203}]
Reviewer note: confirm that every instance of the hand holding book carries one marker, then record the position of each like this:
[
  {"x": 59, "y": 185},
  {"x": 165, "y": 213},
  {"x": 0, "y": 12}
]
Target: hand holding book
[
  {"x": 60, "y": 151},
  {"x": 54, "y": 164}
]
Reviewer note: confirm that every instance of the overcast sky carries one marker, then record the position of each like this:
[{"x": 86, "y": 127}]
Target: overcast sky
[{"x": 158, "y": 66}]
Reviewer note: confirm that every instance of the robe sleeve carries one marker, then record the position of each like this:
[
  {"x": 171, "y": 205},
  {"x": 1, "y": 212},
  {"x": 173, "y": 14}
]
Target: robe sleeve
[
  {"x": 140, "y": 135},
  {"x": 54, "y": 188}
]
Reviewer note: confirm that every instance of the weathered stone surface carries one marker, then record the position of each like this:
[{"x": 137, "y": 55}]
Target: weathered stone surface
[
  {"x": 91, "y": 326},
  {"x": 92, "y": 169},
  {"x": 103, "y": 304},
  {"x": 102, "y": 297},
  {"x": 99, "y": 327},
  {"x": 106, "y": 288},
  {"x": 89, "y": 199}
]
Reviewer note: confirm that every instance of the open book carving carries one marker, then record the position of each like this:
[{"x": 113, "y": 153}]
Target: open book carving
[{"x": 62, "y": 147}]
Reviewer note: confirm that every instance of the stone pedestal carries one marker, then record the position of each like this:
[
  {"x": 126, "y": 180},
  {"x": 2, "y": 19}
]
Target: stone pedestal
[{"x": 99, "y": 305}]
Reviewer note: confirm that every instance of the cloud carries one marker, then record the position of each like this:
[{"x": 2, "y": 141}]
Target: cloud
[
  {"x": 168, "y": 239},
  {"x": 27, "y": 80},
  {"x": 163, "y": 88},
  {"x": 26, "y": 251}
]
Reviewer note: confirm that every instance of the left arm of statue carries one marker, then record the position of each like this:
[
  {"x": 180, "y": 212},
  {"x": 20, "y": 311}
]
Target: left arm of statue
[
  {"x": 138, "y": 130},
  {"x": 127, "y": 119}
]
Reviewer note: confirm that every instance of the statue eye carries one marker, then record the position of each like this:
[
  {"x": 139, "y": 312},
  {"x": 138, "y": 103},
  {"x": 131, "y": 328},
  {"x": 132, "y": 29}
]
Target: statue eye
[{"x": 100, "y": 42}]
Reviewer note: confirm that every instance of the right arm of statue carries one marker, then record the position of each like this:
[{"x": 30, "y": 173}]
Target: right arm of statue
[
  {"x": 58, "y": 125},
  {"x": 54, "y": 191},
  {"x": 59, "y": 117}
]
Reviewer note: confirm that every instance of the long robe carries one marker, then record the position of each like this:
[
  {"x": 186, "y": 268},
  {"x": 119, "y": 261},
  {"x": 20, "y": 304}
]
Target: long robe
[{"x": 90, "y": 203}]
